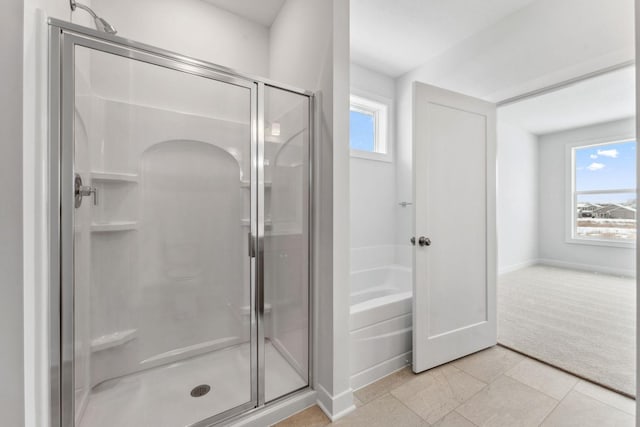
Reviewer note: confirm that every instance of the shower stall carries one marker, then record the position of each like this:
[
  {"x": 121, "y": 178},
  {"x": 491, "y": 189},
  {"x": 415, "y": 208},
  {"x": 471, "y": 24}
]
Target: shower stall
[{"x": 180, "y": 245}]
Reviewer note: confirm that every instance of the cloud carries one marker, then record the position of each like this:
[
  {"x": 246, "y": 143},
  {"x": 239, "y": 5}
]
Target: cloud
[
  {"x": 613, "y": 153},
  {"x": 595, "y": 166},
  {"x": 594, "y": 156}
]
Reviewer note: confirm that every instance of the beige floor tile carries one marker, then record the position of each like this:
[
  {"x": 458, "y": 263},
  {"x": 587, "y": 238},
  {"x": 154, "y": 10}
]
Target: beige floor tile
[
  {"x": 385, "y": 411},
  {"x": 437, "y": 392},
  {"x": 454, "y": 419},
  {"x": 310, "y": 417},
  {"x": 489, "y": 364},
  {"x": 384, "y": 385},
  {"x": 579, "y": 410},
  {"x": 507, "y": 403},
  {"x": 609, "y": 397},
  {"x": 543, "y": 378}
]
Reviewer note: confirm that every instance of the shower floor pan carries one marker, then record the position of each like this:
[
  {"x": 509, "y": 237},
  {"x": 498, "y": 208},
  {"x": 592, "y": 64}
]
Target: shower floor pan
[{"x": 162, "y": 397}]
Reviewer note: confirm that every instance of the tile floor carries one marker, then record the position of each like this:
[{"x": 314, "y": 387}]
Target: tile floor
[{"x": 494, "y": 387}]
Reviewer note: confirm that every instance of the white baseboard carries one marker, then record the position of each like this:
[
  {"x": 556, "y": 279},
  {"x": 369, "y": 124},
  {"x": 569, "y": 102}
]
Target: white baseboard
[
  {"x": 588, "y": 267},
  {"x": 278, "y": 411},
  {"x": 518, "y": 266},
  {"x": 335, "y": 407},
  {"x": 381, "y": 370}
]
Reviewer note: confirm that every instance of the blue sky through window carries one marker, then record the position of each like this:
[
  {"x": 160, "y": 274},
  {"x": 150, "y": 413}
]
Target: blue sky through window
[
  {"x": 362, "y": 131},
  {"x": 606, "y": 167}
]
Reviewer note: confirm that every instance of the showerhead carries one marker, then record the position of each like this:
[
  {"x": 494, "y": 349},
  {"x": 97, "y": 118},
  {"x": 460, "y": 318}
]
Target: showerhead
[
  {"x": 101, "y": 23},
  {"x": 104, "y": 26}
]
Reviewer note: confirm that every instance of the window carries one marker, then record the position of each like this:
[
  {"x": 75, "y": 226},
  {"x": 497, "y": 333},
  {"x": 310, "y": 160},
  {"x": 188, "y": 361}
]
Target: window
[
  {"x": 368, "y": 129},
  {"x": 604, "y": 193}
]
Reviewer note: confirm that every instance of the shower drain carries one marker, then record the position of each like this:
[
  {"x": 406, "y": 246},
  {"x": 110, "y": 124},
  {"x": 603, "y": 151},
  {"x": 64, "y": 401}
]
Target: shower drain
[{"x": 200, "y": 390}]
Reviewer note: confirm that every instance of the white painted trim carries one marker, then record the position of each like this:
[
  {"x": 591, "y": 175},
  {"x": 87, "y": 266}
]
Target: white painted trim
[
  {"x": 388, "y": 103},
  {"x": 518, "y": 266},
  {"x": 569, "y": 185},
  {"x": 381, "y": 370},
  {"x": 278, "y": 411},
  {"x": 335, "y": 407},
  {"x": 588, "y": 267},
  {"x": 366, "y": 155},
  {"x": 35, "y": 220}
]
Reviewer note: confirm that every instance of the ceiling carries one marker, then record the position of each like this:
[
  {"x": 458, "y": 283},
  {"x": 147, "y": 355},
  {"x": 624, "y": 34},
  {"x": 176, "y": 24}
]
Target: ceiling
[
  {"x": 263, "y": 12},
  {"x": 600, "y": 99},
  {"x": 394, "y": 37}
]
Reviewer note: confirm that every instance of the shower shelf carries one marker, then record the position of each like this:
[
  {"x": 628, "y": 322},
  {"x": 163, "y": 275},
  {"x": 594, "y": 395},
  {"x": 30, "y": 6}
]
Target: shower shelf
[
  {"x": 247, "y": 223},
  {"x": 247, "y": 184},
  {"x": 113, "y": 340},
  {"x": 114, "y": 226},
  {"x": 114, "y": 177},
  {"x": 245, "y": 310}
]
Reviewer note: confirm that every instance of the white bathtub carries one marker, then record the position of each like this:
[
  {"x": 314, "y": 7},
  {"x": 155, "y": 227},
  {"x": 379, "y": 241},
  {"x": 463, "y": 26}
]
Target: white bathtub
[{"x": 380, "y": 322}]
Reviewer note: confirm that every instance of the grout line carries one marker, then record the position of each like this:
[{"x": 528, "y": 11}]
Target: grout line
[
  {"x": 580, "y": 377},
  {"x": 459, "y": 403},
  {"x": 556, "y": 405},
  {"x": 603, "y": 402},
  {"x": 467, "y": 400},
  {"x": 470, "y": 374},
  {"x": 462, "y": 415},
  {"x": 405, "y": 405}
]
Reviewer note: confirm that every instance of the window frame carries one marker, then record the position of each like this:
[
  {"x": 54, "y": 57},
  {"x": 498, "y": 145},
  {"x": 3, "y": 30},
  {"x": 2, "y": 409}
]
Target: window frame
[
  {"x": 571, "y": 195},
  {"x": 381, "y": 109}
]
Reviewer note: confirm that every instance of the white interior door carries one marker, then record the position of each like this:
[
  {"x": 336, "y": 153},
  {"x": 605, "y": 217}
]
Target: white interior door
[{"x": 454, "y": 159}]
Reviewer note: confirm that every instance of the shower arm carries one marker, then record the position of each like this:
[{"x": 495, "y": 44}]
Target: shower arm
[
  {"x": 101, "y": 23},
  {"x": 75, "y": 5}
]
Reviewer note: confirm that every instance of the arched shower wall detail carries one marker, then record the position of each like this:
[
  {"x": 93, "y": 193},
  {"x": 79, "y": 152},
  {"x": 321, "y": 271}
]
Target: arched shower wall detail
[{"x": 186, "y": 207}]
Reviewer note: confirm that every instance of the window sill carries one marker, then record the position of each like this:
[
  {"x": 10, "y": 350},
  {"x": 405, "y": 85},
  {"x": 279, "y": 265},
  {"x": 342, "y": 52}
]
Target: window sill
[
  {"x": 379, "y": 157},
  {"x": 601, "y": 242}
]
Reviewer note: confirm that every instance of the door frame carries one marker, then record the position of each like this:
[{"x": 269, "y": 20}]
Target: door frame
[{"x": 63, "y": 38}]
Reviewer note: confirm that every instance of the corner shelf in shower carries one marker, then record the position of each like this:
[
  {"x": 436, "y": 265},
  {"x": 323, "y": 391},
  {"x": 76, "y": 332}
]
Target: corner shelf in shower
[
  {"x": 247, "y": 184},
  {"x": 115, "y": 339},
  {"x": 114, "y": 226},
  {"x": 246, "y": 222},
  {"x": 114, "y": 177}
]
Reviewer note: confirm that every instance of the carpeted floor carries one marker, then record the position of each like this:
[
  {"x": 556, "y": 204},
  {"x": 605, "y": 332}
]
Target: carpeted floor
[{"x": 581, "y": 322}]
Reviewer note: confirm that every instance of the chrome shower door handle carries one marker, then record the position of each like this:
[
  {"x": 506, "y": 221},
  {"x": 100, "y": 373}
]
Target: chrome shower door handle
[{"x": 81, "y": 191}]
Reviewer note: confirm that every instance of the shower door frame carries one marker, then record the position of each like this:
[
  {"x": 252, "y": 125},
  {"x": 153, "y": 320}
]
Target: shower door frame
[{"x": 63, "y": 38}]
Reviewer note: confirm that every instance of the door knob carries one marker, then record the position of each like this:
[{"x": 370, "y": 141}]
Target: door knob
[{"x": 424, "y": 241}]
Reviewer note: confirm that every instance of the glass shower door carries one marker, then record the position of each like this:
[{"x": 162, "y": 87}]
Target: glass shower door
[
  {"x": 164, "y": 320},
  {"x": 286, "y": 242}
]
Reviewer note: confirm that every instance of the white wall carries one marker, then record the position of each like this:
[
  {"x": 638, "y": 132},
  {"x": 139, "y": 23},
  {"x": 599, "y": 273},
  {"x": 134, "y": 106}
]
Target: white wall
[
  {"x": 373, "y": 192},
  {"x": 517, "y": 197},
  {"x": 552, "y": 164},
  {"x": 11, "y": 312},
  {"x": 547, "y": 42},
  {"x": 310, "y": 49},
  {"x": 193, "y": 28}
]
